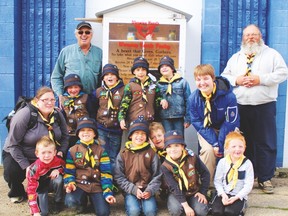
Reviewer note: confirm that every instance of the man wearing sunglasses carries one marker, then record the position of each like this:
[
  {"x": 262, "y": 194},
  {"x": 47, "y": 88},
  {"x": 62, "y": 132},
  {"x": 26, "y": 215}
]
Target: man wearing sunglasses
[{"x": 81, "y": 58}]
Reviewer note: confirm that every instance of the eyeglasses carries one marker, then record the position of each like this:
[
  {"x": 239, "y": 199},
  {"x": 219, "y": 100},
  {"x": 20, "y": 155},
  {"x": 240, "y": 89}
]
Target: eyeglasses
[
  {"x": 46, "y": 101},
  {"x": 82, "y": 32},
  {"x": 252, "y": 35}
]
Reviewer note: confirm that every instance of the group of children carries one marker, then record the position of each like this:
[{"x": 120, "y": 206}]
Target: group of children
[{"x": 152, "y": 161}]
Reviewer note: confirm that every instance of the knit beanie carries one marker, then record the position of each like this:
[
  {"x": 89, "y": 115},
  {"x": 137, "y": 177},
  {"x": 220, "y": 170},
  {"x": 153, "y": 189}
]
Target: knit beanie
[
  {"x": 110, "y": 68},
  {"x": 140, "y": 62},
  {"x": 83, "y": 24},
  {"x": 166, "y": 60},
  {"x": 87, "y": 122},
  {"x": 72, "y": 79},
  {"x": 173, "y": 137},
  {"x": 138, "y": 124}
]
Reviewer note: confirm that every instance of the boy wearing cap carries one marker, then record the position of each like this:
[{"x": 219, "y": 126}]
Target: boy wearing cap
[
  {"x": 81, "y": 58},
  {"x": 137, "y": 171},
  {"x": 108, "y": 98},
  {"x": 176, "y": 90},
  {"x": 88, "y": 172},
  {"x": 74, "y": 104},
  {"x": 141, "y": 96},
  {"x": 182, "y": 172}
]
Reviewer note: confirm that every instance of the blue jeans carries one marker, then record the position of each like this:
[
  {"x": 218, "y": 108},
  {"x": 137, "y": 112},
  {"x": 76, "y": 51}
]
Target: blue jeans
[
  {"x": 56, "y": 185},
  {"x": 78, "y": 198},
  {"x": 134, "y": 206},
  {"x": 112, "y": 145},
  {"x": 174, "y": 124},
  {"x": 175, "y": 208}
]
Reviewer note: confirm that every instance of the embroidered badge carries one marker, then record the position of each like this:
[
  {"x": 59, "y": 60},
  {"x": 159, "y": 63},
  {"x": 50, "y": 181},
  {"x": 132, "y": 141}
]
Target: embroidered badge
[
  {"x": 78, "y": 154},
  {"x": 231, "y": 115}
]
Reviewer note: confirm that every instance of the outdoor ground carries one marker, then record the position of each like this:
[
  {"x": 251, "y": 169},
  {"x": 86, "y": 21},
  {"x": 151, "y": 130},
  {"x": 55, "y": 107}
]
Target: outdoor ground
[{"x": 259, "y": 204}]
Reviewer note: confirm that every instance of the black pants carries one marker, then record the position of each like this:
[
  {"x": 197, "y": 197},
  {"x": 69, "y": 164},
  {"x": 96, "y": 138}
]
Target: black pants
[
  {"x": 14, "y": 175},
  {"x": 235, "y": 209},
  {"x": 258, "y": 123}
]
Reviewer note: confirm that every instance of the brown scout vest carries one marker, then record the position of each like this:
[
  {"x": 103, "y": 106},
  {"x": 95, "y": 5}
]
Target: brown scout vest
[
  {"x": 105, "y": 117},
  {"x": 138, "y": 165},
  {"x": 191, "y": 175},
  {"x": 138, "y": 107},
  {"x": 87, "y": 179},
  {"x": 79, "y": 112}
]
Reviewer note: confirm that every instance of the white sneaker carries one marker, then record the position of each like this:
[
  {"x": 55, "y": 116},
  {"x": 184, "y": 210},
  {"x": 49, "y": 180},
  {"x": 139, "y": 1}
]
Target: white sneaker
[{"x": 17, "y": 199}]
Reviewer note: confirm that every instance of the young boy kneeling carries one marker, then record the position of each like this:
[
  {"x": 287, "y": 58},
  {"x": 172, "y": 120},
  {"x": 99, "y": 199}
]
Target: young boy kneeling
[
  {"x": 137, "y": 171},
  {"x": 182, "y": 172},
  {"x": 88, "y": 172}
]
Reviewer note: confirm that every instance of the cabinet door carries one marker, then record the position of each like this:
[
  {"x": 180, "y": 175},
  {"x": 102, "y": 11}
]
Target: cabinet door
[{"x": 150, "y": 40}]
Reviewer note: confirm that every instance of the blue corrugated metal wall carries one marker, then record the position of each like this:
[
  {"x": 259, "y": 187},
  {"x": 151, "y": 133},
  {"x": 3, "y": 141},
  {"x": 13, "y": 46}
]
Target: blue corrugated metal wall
[{"x": 43, "y": 30}]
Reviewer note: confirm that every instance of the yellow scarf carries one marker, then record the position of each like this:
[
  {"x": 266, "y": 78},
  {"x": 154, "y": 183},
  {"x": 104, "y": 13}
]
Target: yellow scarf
[
  {"x": 143, "y": 85},
  {"x": 48, "y": 122},
  {"x": 164, "y": 80},
  {"x": 71, "y": 103},
  {"x": 89, "y": 157},
  {"x": 129, "y": 146},
  {"x": 179, "y": 170},
  {"x": 250, "y": 59},
  {"x": 232, "y": 174},
  {"x": 207, "y": 109},
  {"x": 109, "y": 94}
]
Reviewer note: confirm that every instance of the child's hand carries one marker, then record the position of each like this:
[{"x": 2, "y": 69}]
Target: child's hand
[
  {"x": 111, "y": 199},
  {"x": 164, "y": 104},
  {"x": 225, "y": 199},
  {"x": 123, "y": 125},
  {"x": 70, "y": 187},
  {"x": 232, "y": 200},
  {"x": 188, "y": 210},
  {"x": 216, "y": 152},
  {"x": 139, "y": 193},
  {"x": 54, "y": 174},
  {"x": 201, "y": 198},
  {"x": 186, "y": 125},
  {"x": 37, "y": 214},
  {"x": 146, "y": 195}
]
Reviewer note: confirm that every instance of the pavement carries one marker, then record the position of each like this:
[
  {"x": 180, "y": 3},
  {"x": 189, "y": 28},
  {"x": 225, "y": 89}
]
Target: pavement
[{"x": 259, "y": 204}]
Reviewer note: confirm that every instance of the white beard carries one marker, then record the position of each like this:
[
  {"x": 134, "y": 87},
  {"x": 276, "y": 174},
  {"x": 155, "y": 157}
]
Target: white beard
[{"x": 252, "y": 48}]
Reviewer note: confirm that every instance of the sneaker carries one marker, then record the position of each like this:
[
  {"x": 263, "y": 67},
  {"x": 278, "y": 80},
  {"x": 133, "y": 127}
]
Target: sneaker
[
  {"x": 16, "y": 199},
  {"x": 266, "y": 187}
]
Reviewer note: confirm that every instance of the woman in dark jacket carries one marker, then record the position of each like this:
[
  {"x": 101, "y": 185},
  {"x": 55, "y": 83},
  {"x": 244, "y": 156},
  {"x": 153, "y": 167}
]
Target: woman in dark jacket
[{"x": 19, "y": 148}]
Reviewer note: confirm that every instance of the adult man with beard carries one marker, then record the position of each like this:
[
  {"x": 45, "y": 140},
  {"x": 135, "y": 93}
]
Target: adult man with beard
[{"x": 255, "y": 72}]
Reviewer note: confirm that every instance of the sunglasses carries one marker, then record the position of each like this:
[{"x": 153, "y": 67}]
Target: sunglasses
[{"x": 82, "y": 32}]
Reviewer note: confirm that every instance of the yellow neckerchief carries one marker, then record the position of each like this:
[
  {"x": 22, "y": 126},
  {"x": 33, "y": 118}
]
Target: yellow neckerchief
[
  {"x": 180, "y": 170},
  {"x": 129, "y": 146},
  {"x": 207, "y": 109},
  {"x": 72, "y": 99},
  {"x": 109, "y": 94},
  {"x": 48, "y": 122},
  {"x": 164, "y": 80},
  {"x": 89, "y": 157},
  {"x": 232, "y": 174},
  {"x": 250, "y": 59},
  {"x": 143, "y": 85}
]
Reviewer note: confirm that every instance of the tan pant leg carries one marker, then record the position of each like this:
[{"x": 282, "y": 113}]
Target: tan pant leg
[{"x": 207, "y": 156}]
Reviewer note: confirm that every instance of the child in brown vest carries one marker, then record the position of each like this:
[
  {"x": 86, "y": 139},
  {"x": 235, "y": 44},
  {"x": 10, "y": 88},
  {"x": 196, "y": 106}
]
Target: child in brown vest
[
  {"x": 182, "y": 173},
  {"x": 137, "y": 171}
]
